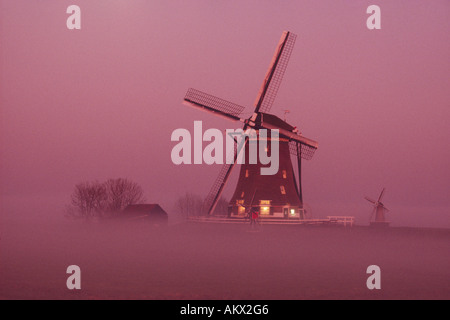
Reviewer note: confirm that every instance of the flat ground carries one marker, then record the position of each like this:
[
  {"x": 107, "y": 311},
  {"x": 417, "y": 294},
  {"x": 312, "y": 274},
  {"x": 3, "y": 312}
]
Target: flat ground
[{"x": 205, "y": 261}]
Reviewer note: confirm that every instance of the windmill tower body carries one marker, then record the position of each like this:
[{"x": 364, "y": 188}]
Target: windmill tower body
[
  {"x": 277, "y": 195},
  {"x": 379, "y": 215}
]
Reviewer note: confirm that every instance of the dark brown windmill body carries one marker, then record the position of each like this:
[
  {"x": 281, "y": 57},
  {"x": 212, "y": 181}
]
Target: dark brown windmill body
[{"x": 277, "y": 195}]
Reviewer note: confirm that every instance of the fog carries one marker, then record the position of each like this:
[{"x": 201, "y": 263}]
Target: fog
[
  {"x": 102, "y": 102},
  {"x": 212, "y": 261}
]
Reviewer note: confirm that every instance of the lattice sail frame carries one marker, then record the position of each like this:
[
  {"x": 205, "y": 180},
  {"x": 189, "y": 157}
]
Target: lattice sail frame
[
  {"x": 275, "y": 73},
  {"x": 306, "y": 152},
  {"x": 212, "y": 103},
  {"x": 216, "y": 190}
]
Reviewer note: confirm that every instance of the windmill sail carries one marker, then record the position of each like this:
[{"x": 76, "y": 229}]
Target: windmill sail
[
  {"x": 306, "y": 153},
  {"x": 295, "y": 150},
  {"x": 370, "y": 200},
  {"x": 216, "y": 190},
  {"x": 308, "y": 146},
  {"x": 274, "y": 75},
  {"x": 207, "y": 102},
  {"x": 381, "y": 195}
]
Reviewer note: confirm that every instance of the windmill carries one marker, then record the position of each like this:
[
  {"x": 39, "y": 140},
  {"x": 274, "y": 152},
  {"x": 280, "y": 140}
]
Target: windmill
[
  {"x": 277, "y": 195},
  {"x": 379, "y": 210}
]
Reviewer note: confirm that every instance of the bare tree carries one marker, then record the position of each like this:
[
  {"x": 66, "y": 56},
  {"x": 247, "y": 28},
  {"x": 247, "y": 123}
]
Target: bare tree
[
  {"x": 189, "y": 205},
  {"x": 100, "y": 200},
  {"x": 88, "y": 200},
  {"x": 121, "y": 193}
]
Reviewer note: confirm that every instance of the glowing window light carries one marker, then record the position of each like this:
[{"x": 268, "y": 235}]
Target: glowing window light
[
  {"x": 265, "y": 210},
  {"x": 292, "y": 212}
]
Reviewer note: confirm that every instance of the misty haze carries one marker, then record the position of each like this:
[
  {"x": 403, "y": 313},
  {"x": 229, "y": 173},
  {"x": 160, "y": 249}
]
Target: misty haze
[{"x": 87, "y": 178}]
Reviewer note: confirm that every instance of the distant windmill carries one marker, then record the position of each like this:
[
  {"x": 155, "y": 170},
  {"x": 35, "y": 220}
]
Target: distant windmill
[
  {"x": 379, "y": 210},
  {"x": 277, "y": 195}
]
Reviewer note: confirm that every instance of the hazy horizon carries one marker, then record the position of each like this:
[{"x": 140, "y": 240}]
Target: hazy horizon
[{"x": 102, "y": 102}]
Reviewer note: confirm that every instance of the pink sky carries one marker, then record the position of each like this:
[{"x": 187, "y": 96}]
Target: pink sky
[{"x": 102, "y": 102}]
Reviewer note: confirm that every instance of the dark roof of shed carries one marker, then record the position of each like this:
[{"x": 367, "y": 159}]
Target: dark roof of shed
[{"x": 143, "y": 208}]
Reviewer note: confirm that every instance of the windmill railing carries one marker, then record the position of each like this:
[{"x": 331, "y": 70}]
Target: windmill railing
[
  {"x": 330, "y": 220},
  {"x": 344, "y": 220}
]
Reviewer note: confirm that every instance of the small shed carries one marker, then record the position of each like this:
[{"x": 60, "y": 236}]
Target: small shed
[{"x": 152, "y": 213}]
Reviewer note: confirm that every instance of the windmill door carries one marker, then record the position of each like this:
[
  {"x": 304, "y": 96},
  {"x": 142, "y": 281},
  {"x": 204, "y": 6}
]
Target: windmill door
[{"x": 286, "y": 212}]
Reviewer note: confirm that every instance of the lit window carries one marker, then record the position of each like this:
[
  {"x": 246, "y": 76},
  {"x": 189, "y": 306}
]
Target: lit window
[
  {"x": 284, "y": 174},
  {"x": 265, "y": 210},
  {"x": 292, "y": 212},
  {"x": 283, "y": 191},
  {"x": 239, "y": 202},
  {"x": 246, "y": 173},
  {"x": 264, "y": 206},
  {"x": 242, "y": 194}
]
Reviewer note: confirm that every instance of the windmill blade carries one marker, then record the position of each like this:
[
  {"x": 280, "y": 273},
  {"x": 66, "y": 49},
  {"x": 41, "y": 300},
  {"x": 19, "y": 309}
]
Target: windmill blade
[
  {"x": 293, "y": 148},
  {"x": 373, "y": 211},
  {"x": 308, "y": 146},
  {"x": 253, "y": 197},
  {"x": 381, "y": 195},
  {"x": 206, "y": 102},
  {"x": 216, "y": 190},
  {"x": 370, "y": 200},
  {"x": 291, "y": 135},
  {"x": 275, "y": 74},
  {"x": 306, "y": 152},
  {"x": 300, "y": 154}
]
